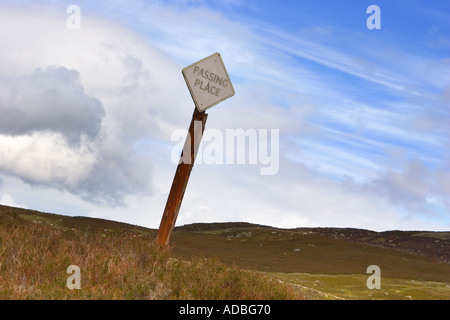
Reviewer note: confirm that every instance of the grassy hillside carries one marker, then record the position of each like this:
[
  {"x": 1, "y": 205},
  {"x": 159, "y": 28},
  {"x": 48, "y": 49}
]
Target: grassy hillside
[
  {"x": 330, "y": 263},
  {"x": 117, "y": 261},
  {"x": 215, "y": 261},
  {"x": 318, "y": 250}
]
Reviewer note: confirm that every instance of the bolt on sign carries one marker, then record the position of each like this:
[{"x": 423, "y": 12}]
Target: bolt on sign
[{"x": 209, "y": 84}]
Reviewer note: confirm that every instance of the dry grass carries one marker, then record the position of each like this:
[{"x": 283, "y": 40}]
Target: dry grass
[{"x": 34, "y": 258}]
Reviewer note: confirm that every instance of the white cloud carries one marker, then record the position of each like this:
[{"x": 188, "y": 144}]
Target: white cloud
[
  {"x": 45, "y": 158},
  {"x": 50, "y": 99},
  {"x": 7, "y": 200},
  {"x": 75, "y": 125}
]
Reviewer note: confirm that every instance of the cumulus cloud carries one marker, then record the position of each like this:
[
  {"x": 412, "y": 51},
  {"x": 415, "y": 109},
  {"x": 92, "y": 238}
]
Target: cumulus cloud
[
  {"x": 50, "y": 99},
  {"x": 73, "y": 111},
  {"x": 46, "y": 159},
  {"x": 117, "y": 173}
]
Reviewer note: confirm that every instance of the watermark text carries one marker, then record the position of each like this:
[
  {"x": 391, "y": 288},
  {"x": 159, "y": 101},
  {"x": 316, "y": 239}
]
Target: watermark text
[{"x": 234, "y": 146}]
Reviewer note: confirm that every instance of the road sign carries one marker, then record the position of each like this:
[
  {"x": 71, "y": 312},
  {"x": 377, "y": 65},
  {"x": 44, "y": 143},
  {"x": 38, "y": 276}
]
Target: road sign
[{"x": 208, "y": 82}]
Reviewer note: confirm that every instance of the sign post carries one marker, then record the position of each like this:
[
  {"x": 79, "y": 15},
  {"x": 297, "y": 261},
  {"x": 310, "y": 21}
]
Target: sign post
[{"x": 209, "y": 84}]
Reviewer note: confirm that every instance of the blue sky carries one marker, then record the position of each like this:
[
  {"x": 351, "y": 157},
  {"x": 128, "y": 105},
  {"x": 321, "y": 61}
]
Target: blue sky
[{"x": 362, "y": 114}]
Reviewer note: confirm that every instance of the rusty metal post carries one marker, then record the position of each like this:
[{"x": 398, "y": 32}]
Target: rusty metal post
[{"x": 181, "y": 178}]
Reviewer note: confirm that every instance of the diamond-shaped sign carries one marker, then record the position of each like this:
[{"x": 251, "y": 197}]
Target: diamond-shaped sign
[{"x": 208, "y": 82}]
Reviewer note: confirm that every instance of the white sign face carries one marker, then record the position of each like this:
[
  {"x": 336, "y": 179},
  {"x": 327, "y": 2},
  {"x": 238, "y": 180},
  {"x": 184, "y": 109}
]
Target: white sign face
[{"x": 208, "y": 82}]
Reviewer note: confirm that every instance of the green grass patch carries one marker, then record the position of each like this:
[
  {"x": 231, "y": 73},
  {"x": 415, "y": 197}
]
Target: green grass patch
[{"x": 353, "y": 287}]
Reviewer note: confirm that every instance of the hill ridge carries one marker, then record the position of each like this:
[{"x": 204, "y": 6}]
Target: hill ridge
[
  {"x": 434, "y": 245},
  {"x": 324, "y": 262}
]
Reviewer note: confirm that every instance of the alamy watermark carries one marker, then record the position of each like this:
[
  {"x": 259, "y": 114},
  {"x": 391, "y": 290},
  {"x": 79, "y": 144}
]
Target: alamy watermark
[
  {"x": 234, "y": 146},
  {"x": 374, "y": 21},
  {"x": 74, "y": 280},
  {"x": 73, "y": 22},
  {"x": 374, "y": 281}
]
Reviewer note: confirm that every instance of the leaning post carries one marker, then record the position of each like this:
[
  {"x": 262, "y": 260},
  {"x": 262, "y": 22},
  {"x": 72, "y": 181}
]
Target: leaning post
[
  {"x": 209, "y": 84},
  {"x": 180, "y": 181}
]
